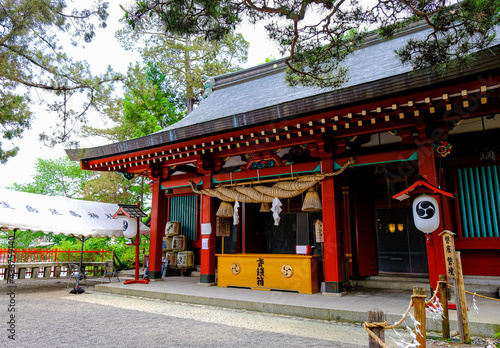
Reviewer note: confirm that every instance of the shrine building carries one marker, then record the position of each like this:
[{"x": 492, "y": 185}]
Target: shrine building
[{"x": 302, "y": 188}]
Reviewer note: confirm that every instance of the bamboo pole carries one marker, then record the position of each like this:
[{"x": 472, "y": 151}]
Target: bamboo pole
[
  {"x": 443, "y": 298},
  {"x": 419, "y": 313}
]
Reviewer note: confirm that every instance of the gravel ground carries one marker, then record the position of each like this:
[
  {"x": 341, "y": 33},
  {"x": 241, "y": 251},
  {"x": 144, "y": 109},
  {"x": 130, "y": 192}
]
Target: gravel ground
[{"x": 47, "y": 315}]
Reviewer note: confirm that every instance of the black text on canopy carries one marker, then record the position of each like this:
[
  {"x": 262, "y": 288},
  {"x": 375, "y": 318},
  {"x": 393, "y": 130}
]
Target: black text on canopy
[{"x": 60, "y": 215}]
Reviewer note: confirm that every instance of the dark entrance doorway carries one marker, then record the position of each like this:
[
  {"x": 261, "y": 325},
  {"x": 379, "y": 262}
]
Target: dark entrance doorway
[{"x": 401, "y": 247}]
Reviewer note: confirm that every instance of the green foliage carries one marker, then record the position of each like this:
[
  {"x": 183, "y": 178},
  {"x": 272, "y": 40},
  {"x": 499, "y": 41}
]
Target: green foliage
[
  {"x": 320, "y": 35},
  {"x": 124, "y": 252},
  {"x": 185, "y": 58},
  {"x": 112, "y": 187},
  {"x": 152, "y": 105},
  {"x": 22, "y": 239},
  {"x": 56, "y": 177},
  {"x": 33, "y": 63}
]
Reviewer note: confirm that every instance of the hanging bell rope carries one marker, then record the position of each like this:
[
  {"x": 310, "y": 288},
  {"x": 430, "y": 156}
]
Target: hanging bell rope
[{"x": 266, "y": 194}]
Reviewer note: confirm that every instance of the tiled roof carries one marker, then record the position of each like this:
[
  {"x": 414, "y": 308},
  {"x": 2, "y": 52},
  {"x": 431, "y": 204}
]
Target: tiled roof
[
  {"x": 261, "y": 95},
  {"x": 370, "y": 63}
]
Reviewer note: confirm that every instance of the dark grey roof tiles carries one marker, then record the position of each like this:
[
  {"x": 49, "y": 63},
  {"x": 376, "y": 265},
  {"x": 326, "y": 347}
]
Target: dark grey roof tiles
[
  {"x": 261, "y": 95},
  {"x": 370, "y": 63}
]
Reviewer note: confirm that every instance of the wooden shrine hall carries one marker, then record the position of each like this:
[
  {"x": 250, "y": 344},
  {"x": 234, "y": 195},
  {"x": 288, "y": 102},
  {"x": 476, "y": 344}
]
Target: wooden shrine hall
[{"x": 256, "y": 150}]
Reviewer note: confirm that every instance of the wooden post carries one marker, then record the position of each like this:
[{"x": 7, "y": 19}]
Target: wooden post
[
  {"x": 376, "y": 316},
  {"x": 21, "y": 273},
  {"x": 443, "y": 298},
  {"x": 34, "y": 272},
  {"x": 419, "y": 312},
  {"x": 463, "y": 319}
]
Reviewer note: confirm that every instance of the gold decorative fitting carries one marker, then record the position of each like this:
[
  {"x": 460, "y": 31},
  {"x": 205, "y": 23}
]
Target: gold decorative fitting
[
  {"x": 235, "y": 268},
  {"x": 373, "y": 120},
  {"x": 286, "y": 271}
]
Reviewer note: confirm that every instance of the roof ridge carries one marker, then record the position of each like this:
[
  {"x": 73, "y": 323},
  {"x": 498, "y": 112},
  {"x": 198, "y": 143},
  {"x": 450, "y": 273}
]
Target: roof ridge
[{"x": 236, "y": 77}]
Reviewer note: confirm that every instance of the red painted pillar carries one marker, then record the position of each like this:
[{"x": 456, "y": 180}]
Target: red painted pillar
[
  {"x": 435, "y": 252},
  {"x": 157, "y": 231},
  {"x": 207, "y": 274},
  {"x": 331, "y": 233}
]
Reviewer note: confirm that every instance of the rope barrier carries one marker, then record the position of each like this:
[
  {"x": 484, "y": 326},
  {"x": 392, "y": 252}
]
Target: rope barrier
[
  {"x": 486, "y": 297},
  {"x": 368, "y": 326},
  {"x": 435, "y": 292}
]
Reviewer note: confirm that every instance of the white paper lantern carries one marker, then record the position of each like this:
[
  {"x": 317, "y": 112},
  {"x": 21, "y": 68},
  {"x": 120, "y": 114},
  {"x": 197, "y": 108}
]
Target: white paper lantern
[
  {"x": 130, "y": 227},
  {"x": 426, "y": 213}
]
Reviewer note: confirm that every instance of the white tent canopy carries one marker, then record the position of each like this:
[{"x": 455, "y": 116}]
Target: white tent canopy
[{"x": 60, "y": 215}]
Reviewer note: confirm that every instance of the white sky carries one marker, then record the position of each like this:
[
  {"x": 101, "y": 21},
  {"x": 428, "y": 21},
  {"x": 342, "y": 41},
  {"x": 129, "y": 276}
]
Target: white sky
[{"x": 104, "y": 51}]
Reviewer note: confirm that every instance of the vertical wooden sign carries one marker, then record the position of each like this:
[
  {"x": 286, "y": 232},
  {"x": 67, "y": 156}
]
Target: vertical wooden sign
[
  {"x": 318, "y": 229},
  {"x": 449, "y": 253},
  {"x": 454, "y": 271}
]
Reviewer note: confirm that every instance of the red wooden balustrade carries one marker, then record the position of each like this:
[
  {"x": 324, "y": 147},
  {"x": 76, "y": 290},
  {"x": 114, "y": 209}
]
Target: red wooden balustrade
[{"x": 35, "y": 255}]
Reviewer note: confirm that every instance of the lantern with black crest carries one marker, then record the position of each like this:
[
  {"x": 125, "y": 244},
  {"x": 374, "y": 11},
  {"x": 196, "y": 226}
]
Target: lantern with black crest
[{"x": 131, "y": 215}]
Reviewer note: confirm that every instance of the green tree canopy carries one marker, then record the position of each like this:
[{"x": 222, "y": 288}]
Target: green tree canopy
[
  {"x": 318, "y": 35},
  {"x": 185, "y": 58},
  {"x": 35, "y": 70},
  {"x": 152, "y": 105},
  {"x": 149, "y": 104},
  {"x": 56, "y": 177}
]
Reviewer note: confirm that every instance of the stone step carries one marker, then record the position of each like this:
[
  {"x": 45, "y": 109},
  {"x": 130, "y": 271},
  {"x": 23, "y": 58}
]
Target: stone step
[
  {"x": 394, "y": 283},
  {"x": 488, "y": 286}
]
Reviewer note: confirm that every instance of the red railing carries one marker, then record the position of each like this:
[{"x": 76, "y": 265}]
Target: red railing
[{"x": 34, "y": 255}]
